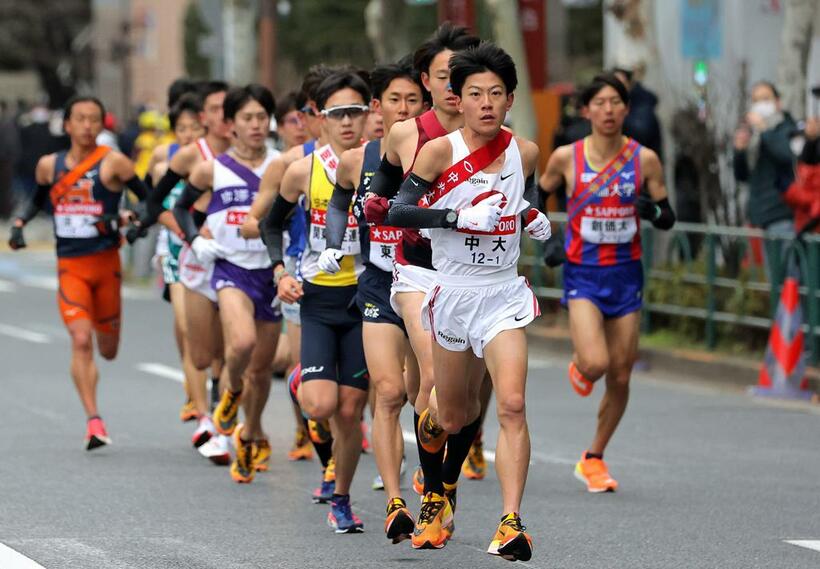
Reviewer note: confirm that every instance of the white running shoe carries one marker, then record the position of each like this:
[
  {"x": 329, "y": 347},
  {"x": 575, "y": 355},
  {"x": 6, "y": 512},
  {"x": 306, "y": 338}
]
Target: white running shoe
[
  {"x": 204, "y": 431},
  {"x": 217, "y": 450},
  {"x": 378, "y": 483}
]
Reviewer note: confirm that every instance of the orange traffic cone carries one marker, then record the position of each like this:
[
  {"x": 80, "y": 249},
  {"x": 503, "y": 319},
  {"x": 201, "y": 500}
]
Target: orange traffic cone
[{"x": 783, "y": 371}]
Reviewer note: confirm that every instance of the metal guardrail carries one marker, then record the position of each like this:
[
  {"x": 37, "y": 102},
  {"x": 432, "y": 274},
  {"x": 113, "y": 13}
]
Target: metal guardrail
[{"x": 696, "y": 254}]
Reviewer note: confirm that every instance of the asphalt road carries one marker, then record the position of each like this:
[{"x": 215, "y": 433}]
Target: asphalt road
[{"x": 708, "y": 478}]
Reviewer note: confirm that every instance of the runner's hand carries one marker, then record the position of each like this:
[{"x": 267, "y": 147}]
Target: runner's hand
[
  {"x": 554, "y": 254},
  {"x": 135, "y": 231},
  {"x": 538, "y": 226},
  {"x": 206, "y": 250},
  {"x": 375, "y": 209},
  {"x": 289, "y": 290},
  {"x": 483, "y": 216},
  {"x": 16, "y": 240},
  {"x": 647, "y": 208},
  {"x": 329, "y": 261}
]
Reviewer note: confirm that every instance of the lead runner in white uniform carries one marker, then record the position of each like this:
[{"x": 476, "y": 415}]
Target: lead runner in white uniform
[{"x": 479, "y": 305}]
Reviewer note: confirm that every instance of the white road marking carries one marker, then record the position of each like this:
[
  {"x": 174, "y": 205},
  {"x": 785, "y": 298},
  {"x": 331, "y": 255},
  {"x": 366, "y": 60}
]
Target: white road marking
[
  {"x": 7, "y": 286},
  {"x": 162, "y": 370},
  {"x": 23, "y": 334},
  {"x": 807, "y": 543},
  {"x": 10, "y": 559}
]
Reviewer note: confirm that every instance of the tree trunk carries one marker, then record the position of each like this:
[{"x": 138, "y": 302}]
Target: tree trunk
[{"x": 796, "y": 39}]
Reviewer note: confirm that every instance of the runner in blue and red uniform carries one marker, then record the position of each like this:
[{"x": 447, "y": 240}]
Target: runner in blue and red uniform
[{"x": 612, "y": 182}]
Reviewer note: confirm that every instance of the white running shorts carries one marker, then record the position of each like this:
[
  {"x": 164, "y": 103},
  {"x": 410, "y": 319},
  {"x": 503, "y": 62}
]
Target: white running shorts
[
  {"x": 409, "y": 278},
  {"x": 195, "y": 276}
]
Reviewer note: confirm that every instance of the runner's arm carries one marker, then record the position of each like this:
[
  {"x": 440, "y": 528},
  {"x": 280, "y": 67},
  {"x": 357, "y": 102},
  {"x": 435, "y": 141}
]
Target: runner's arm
[
  {"x": 273, "y": 226},
  {"x": 201, "y": 177},
  {"x": 405, "y": 211},
  {"x": 554, "y": 176},
  {"x": 262, "y": 202},
  {"x": 43, "y": 175},
  {"x": 653, "y": 205},
  {"x": 336, "y": 221}
]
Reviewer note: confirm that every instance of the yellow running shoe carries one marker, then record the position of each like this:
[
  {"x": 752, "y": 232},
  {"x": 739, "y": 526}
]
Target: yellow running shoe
[
  {"x": 242, "y": 468},
  {"x": 435, "y": 524},
  {"x": 261, "y": 455},
  {"x": 226, "y": 414},
  {"x": 399, "y": 523},
  {"x": 319, "y": 431},
  {"x": 302, "y": 448},
  {"x": 188, "y": 412},
  {"x": 475, "y": 466},
  {"x": 418, "y": 481},
  {"x": 431, "y": 436},
  {"x": 594, "y": 473},
  {"x": 511, "y": 540}
]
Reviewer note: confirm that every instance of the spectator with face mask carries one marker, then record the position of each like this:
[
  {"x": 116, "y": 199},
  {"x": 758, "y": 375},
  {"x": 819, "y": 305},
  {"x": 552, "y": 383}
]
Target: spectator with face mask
[
  {"x": 763, "y": 158},
  {"x": 804, "y": 194}
]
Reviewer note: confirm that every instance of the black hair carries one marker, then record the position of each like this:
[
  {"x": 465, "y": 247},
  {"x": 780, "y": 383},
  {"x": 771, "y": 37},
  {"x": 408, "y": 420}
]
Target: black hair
[
  {"x": 208, "y": 88},
  {"x": 447, "y": 36},
  {"x": 600, "y": 81},
  {"x": 338, "y": 81},
  {"x": 770, "y": 85},
  {"x": 485, "y": 57},
  {"x": 69, "y": 106},
  {"x": 238, "y": 97},
  {"x": 382, "y": 75},
  {"x": 313, "y": 78},
  {"x": 290, "y": 102},
  {"x": 179, "y": 88},
  {"x": 187, "y": 103}
]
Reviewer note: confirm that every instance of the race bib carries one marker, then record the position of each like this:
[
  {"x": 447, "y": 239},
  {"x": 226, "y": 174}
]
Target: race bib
[
  {"x": 318, "y": 228},
  {"x": 383, "y": 242},
  {"x": 494, "y": 249},
  {"x": 229, "y": 232},
  {"x": 77, "y": 220},
  {"x": 608, "y": 230}
]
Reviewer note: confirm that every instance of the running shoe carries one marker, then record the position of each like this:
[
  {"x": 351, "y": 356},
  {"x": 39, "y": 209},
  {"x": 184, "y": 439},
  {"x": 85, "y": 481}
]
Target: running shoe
[
  {"x": 217, "y": 450},
  {"x": 365, "y": 442},
  {"x": 378, "y": 482},
  {"x": 418, "y": 481},
  {"x": 399, "y": 523},
  {"x": 579, "y": 383},
  {"x": 188, "y": 412},
  {"x": 341, "y": 518},
  {"x": 242, "y": 467},
  {"x": 435, "y": 524},
  {"x": 204, "y": 431},
  {"x": 261, "y": 455},
  {"x": 95, "y": 434},
  {"x": 594, "y": 473},
  {"x": 226, "y": 414},
  {"x": 324, "y": 493},
  {"x": 431, "y": 436},
  {"x": 511, "y": 540},
  {"x": 475, "y": 467},
  {"x": 319, "y": 431},
  {"x": 451, "y": 492},
  {"x": 302, "y": 448}
]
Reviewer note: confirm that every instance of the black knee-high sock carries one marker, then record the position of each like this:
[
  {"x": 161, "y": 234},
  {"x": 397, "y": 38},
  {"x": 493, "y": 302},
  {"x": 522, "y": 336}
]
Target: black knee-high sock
[
  {"x": 430, "y": 463},
  {"x": 458, "y": 447},
  {"x": 324, "y": 450}
]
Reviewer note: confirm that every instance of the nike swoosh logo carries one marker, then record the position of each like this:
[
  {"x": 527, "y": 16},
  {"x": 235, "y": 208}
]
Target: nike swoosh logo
[
  {"x": 503, "y": 177},
  {"x": 415, "y": 183},
  {"x": 517, "y": 319}
]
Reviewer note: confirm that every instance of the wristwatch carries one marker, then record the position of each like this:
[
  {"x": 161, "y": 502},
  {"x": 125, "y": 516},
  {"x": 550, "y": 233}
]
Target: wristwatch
[{"x": 451, "y": 219}]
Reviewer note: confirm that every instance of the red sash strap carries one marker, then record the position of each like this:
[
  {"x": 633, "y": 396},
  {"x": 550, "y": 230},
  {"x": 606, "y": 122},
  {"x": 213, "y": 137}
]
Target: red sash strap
[
  {"x": 475, "y": 162},
  {"x": 432, "y": 127},
  {"x": 62, "y": 186},
  {"x": 604, "y": 177}
]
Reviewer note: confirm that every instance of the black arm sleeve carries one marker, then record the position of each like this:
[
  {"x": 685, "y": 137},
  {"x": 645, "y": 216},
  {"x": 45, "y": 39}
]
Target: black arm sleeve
[
  {"x": 387, "y": 179},
  {"x": 35, "y": 204},
  {"x": 182, "y": 212},
  {"x": 199, "y": 217},
  {"x": 405, "y": 211},
  {"x": 273, "y": 226},
  {"x": 531, "y": 191},
  {"x": 336, "y": 222},
  {"x": 666, "y": 217},
  {"x": 156, "y": 197},
  {"x": 138, "y": 187}
]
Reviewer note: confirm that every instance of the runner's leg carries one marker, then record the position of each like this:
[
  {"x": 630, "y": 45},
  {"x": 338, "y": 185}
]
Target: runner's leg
[
  {"x": 258, "y": 377},
  {"x": 195, "y": 380},
  {"x": 586, "y": 327}
]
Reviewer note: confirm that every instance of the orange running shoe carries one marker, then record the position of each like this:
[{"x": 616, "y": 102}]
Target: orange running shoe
[
  {"x": 302, "y": 448},
  {"x": 431, "y": 436},
  {"x": 242, "y": 467},
  {"x": 399, "y": 524},
  {"x": 261, "y": 455},
  {"x": 418, "y": 481},
  {"x": 594, "y": 473},
  {"x": 511, "y": 540},
  {"x": 579, "y": 383},
  {"x": 188, "y": 412},
  {"x": 319, "y": 431},
  {"x": 475, "y": 466},
  {"x": 435, "y": 524},
  {"x": 226, "y": 414}
]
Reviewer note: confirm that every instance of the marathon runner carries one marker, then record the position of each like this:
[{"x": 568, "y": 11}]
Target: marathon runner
[
  {"x": 241, "y": 275},
  {"x": 414, "y": 272},
  {"x": 397, "y": 96},
  {"x": 612, "y": 181},
  {"x": 85, "y": 185},
  {"x": 474, "y": 183},
  {"x": 333, "y": 383}
]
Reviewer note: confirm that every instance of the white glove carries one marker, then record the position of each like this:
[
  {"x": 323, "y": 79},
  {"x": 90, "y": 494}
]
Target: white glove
[
  {"x": 207, "y": 250},
  {"x": 329, "y": 261},
  {"x": 539, "y": 226},
  {"x": 483, "y": 216}
]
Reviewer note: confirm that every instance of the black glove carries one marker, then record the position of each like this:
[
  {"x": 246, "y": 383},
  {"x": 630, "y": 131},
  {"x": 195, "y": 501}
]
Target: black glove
[
  {"x": 108, "y": 223},
  {"x": 136, "y": 231},
  {"x": 554, "y": 254},
  {"x": 16, "y": 240},
  {"x": 647, "y": 209}
]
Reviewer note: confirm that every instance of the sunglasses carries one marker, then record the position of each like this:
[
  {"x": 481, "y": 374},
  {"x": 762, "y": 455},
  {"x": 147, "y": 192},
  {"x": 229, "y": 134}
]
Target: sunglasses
[
  {"x": 342, "y": 111},
  {"x": 308, "y": 110},
  {"x": 293, "y": 121}
]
